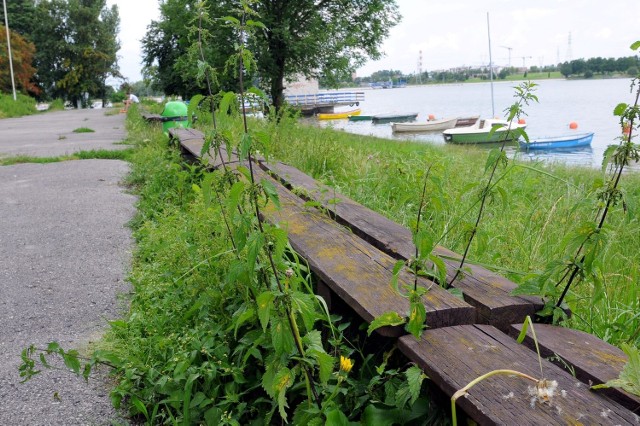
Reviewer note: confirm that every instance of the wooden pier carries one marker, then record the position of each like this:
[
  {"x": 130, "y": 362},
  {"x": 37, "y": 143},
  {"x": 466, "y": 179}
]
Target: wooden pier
[
  {"x": 352, "y": 252},
  {"x": 324, "y": 102}
]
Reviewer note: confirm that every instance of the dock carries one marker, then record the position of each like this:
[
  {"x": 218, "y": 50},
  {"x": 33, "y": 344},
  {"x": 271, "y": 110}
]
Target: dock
[{"x": 324, "y": 102}]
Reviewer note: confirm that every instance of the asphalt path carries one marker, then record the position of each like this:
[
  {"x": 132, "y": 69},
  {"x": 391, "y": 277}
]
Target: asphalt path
[{"x": 64, "y": 253}]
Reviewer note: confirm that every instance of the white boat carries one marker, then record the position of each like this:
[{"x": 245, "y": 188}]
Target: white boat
[
  {"x": 481, "y": 132},
  {"x": 425, "y": 126},
  {"x": 434, "y": 125}
]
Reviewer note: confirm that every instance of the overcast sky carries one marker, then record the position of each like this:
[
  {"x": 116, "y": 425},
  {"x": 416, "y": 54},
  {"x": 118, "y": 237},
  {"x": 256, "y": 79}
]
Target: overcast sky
[{"x": 453, "y": 33}]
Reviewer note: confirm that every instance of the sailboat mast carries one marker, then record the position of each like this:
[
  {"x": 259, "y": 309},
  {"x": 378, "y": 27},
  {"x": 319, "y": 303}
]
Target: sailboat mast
[{"x": 493, "y": 108}]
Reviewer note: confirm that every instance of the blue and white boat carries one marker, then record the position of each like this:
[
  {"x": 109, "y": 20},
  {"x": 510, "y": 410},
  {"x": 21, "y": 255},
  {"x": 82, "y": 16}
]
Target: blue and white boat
[{"x": 552, "y": 142}]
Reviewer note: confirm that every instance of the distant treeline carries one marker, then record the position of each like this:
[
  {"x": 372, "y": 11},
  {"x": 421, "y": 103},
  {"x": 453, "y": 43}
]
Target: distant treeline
[{"x": 583, "y": 68}]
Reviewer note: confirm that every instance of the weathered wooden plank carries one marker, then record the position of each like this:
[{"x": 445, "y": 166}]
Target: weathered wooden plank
[
  {"x": 357, "y": 272},
  {"x": 487, "y": 291},
  {"x": 152, "y": 118},
  {"x": 593, "y": 360},
  {"x": 191, "y": 142},
  {"x": 454, "y": 356}
]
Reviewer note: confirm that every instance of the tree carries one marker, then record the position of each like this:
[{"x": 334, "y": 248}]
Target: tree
[
  {"x": 21, "y": 17},
  {"x": 21, "y": 55},
  {"x": 314, "y": 38},
  {"x": 76, "y": 42},
  {"x": 325, "y": 39}
]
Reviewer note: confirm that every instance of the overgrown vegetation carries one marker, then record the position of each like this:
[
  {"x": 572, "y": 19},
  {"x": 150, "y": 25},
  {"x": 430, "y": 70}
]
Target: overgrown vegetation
[{"x": 23, "y": 105}]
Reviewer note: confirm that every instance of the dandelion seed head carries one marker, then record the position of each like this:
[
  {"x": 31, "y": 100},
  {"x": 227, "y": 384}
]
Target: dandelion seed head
[{"x": 508, "y": 396}]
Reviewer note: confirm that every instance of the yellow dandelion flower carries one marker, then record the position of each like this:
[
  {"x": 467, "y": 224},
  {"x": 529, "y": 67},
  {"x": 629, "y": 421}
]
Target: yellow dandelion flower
[{"x": 346, "y": 364}]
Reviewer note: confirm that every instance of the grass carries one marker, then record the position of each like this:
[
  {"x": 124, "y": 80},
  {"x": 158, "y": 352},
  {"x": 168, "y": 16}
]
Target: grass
[
  {"x": 83, "y": 130},
  {"x": 102, "y": 154},
  {"x": 23, "y": 105}
]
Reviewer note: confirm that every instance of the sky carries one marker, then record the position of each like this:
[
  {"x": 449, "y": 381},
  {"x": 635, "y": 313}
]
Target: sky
[{"x": 452, "y": 33}]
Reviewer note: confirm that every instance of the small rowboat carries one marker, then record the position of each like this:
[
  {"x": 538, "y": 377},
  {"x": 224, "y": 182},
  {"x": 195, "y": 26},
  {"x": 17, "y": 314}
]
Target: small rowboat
[
  {"x": 360, "y": 117},
  {"x": 482, "y": 132},
  {"x": 394, "y": 118},
  {"x": 568, "y": 141},
  {"x": 425, "y": 126},
  {"x": 338, "y": 115}
]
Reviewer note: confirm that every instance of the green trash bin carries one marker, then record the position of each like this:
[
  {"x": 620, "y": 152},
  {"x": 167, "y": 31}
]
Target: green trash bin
[{"x": 174, "y": 115}]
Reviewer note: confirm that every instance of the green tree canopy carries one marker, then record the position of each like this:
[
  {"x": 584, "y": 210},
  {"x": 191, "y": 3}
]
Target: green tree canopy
[
  {"x": 21, "y": 16},
  {"x": 76, "y": 46},
  {"x": 312, "y": 38}
]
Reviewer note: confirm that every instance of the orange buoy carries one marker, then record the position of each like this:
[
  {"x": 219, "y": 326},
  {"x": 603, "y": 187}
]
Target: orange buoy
[
  {"x": 573, "y": 125},
  {"x": 522, "y": 121},
  {"x": 432, "y": 117}
]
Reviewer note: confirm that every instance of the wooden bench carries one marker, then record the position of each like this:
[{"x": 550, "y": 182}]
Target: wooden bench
[
  {"x": 152, "y": 118},
  {"x": 591, "y": 359},
  {"x": 483, "y": 289},
  {"x": 352, "y": 250},
  {"x": 454, "y": 356}
]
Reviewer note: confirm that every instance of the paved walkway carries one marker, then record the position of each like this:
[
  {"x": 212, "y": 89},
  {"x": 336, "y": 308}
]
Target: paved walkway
[{"x": 64, "y": 253}]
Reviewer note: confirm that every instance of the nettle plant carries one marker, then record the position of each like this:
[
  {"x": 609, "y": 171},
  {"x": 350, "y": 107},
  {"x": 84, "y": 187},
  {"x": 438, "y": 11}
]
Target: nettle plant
[
  {"x": 585, "y": 245},
  {"x": 427, "y": 263}
]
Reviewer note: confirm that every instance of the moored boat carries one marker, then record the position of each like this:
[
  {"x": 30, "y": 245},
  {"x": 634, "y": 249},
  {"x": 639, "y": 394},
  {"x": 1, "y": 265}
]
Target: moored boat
[
  {"x": 554, "y": 142},
  {"x": 360, "y": 117},
  {"x": 481, "y": 132},
  {"x": 338, "y": 115},
  {"x": 425, "y": 126},
  {"x": 434, "y": 125},
  {"x": 395, "y": 118}
]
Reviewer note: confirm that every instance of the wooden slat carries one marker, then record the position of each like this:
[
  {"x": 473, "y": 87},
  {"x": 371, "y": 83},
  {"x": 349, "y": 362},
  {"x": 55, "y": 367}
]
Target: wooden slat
[
  {"x": 487, "y": 291},
  {"x": 191, "y": 142},
  {"x": 357, "y": 272},
  {"x": 153, "y": 118},
  {"x": 454, "y": 356},
  {"x": 593, "y": 360}
]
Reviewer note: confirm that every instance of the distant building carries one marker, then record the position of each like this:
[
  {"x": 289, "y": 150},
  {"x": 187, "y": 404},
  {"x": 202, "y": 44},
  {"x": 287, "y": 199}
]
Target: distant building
[{"x": 302, "y": 86}]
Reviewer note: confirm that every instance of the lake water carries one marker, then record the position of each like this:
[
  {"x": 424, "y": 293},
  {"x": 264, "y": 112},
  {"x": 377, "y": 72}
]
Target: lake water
[{"x": 589, "y": 103}]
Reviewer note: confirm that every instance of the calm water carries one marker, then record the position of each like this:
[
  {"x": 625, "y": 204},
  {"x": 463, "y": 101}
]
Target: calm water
[{"x": 589, "y": 103}]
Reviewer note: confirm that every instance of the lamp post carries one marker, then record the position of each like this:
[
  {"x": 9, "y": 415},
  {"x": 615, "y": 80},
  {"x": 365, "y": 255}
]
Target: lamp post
[{"x": 6, "y": 25}]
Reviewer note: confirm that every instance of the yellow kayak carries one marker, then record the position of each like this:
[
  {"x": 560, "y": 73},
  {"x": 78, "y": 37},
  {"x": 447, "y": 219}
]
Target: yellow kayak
[{"x": 336, "y": 115}]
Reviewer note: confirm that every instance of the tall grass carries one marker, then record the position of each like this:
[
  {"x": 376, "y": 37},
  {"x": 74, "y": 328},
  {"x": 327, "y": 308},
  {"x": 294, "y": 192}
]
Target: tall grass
[
  {"x": 23, "y": 105},
  {"x": 521, "y": 232}
]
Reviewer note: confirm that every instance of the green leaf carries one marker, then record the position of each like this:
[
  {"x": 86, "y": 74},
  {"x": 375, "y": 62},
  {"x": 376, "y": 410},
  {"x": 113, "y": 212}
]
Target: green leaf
[
  {"x": 494, "y": 156},
  {"x": 325, "y": 366},
  {"x": 635, "y": 45},
  {"x": 376, "y": 416},
  {"x": 281, "y": 382},
  {"x": 281, "y": 336},
  {"x": 139, "y": 406},
  {"x": 245, "y": 146},
  {"x": 386, "y": 319},
  {"x": 335, "y": 417},
  {"x": 395, "y": 274},
  {"x": 417, "y": 317},
  {"x": 264, "y": 308},
  {"x": 71, "y": 361},
  {"x": 629, "y": 378},
  {"x": 415, "y": 377},
  {"x": 620, "y": 109},
  {"x": 246, "y": 315},
  {"x": 270, "y": 189}
]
